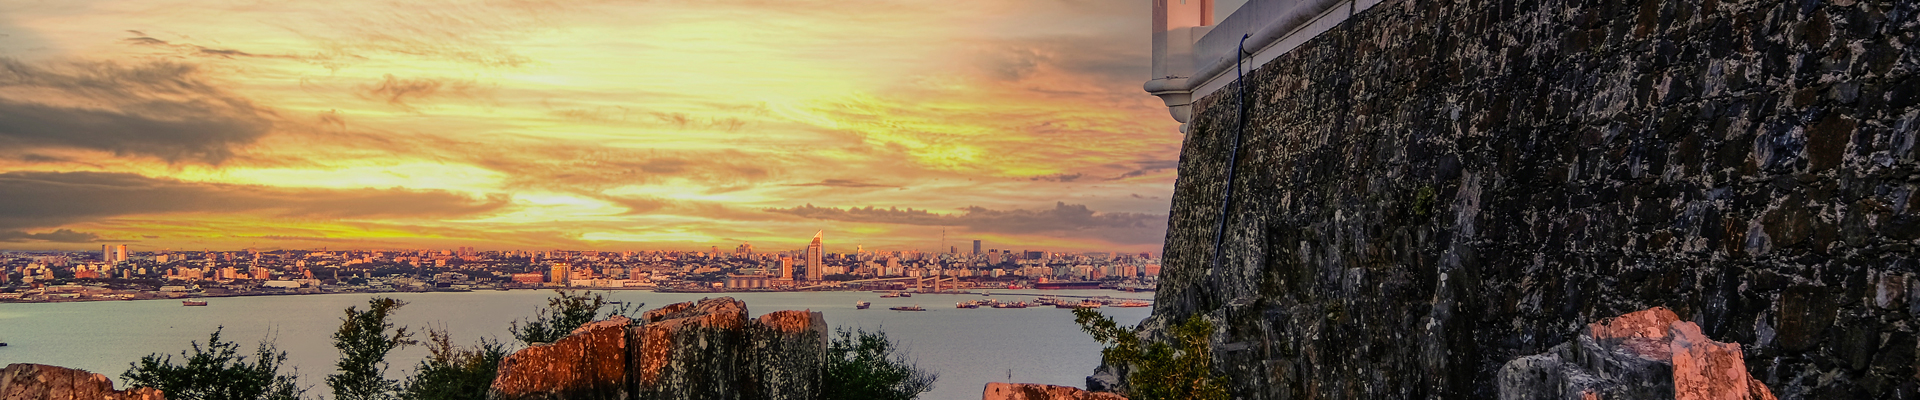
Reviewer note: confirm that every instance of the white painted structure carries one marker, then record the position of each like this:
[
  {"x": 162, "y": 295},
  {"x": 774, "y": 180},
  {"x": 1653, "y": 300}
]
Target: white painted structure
[{"x": 1193, "y": 58}]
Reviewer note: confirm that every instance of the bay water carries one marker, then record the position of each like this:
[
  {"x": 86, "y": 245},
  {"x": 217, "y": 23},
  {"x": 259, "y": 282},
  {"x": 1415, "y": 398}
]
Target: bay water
[{"x": 966, "y": 347}]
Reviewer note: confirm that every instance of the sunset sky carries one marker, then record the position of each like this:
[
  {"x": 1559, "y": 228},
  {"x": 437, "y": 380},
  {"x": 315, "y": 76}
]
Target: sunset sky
[{"x": 589, "y": 125}]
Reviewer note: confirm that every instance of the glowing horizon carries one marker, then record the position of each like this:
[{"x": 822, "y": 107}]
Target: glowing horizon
[{"x": 584, "y": 125}]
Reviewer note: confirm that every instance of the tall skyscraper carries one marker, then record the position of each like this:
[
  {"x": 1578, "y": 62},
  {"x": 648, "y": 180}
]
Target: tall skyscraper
[
  {"x": 976, "y": 248},
  {"x": 814, "y": 258},
  {"x": 786, "y": 267},
  {"x": 121, "y": 256}
]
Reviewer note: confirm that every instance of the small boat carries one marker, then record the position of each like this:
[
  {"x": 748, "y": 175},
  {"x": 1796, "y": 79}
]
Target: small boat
[
  {"x": 1017, "y": 304},
  {"x": 905, "y": 294},
  {"x": 1133, "y": 303},
  {"x": 966, "y": 304},
  {"x": 861, "y": 305},
  {"x": 890, "y": 295},
  {"x": 193, "y": 303},
  {"x": 908, "y": 308}
]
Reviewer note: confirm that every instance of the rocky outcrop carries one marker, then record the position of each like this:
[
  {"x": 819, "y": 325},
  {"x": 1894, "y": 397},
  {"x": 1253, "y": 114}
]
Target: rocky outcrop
[
  {"x": 1649, "y": 354},
  {"x": 46, "y": 382},
  {"x": 1439, "y": 187},
  {"x": 787, "y": 355},
  {"x": 706, "y": 349},
  {"x": 1035, "y": 391},
  {"x": 590, "y": 363},
  {"x": 692, "y": 351}
]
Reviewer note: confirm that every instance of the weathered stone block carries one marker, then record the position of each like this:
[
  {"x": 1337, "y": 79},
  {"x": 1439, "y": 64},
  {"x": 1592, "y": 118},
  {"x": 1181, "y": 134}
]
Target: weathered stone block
[
  {"x": 590, "y": 363},
  {"x": 1470, "y": 187},
  {"x": 691, "y": 350},
  {"x": 788, "y": 355},
  {"x": 46, "y": 382},
  {"x": 1035, "y": 391},
  {"x": 695, "y": 350},
  {"x": 1648, "y": 354}
]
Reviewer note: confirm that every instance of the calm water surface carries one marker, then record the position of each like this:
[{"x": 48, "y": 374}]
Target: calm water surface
[{"x": 967, "y": 347}]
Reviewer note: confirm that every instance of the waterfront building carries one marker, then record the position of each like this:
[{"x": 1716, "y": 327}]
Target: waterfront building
[
  {"x": 559, "y": 273},
  {"x": 529, "y": 278}
]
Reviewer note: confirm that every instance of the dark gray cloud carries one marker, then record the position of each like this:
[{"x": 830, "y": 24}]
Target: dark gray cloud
[
  {"x": 1062, "y": 178},
  {"x": 403, "y": 92},
  {"x": 141, "y": 39},
  {"x": 162, "y": 110},
  {"x": 1143, "y": 168},
  {"x": 1067, "y": 220},
  {"x": 31, "y": 200},
  {"x": 56, "y": 236}
]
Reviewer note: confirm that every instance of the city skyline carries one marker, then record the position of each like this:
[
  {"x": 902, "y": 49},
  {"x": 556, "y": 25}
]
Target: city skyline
[{"x": 595, "y": 125}]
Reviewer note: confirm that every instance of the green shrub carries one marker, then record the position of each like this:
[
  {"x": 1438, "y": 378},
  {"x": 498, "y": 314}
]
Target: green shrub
[
  {"x": 1158, "y": 370},
  {"x": 454, "y": 373},
  {"x": 217, "y": 372},
  {"x": 863, "y": 365},
  {"x": 364, "y": 343},
  {"x": 564, "y": 313}
]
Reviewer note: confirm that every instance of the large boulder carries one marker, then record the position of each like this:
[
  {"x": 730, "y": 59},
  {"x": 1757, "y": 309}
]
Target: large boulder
[
  {"x": 705, "y": 349},
  {"x": 1035, "y": 391},
  {"x": 1649, "y": 354},
  {"x": 690, "y": 351},
  {"x": 787, "y": 355},
  {"x": 46, "y": 382},
  {"x": 590, "y": 363}
]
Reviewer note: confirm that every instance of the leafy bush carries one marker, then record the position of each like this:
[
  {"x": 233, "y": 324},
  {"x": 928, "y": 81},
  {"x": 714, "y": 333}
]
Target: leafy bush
[
  {"x": 217, "y": 372},
  {"x": 364, "y": 342},
  {"x": 1159, "y": 370},
  {"x": 863, "y": 365},
  {"x": 564, "y": 313},
  {"x": 454, "y": 373}
]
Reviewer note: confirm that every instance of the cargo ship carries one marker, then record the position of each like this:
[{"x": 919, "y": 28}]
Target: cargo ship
[
  {"x": 861, "y": 305},
  {"x": 193, "y": 303},
  {"x": 908, "y": 308}
]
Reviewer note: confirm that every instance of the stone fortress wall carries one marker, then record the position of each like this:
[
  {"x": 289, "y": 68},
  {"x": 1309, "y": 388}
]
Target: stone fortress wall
[{"x": 1433, "y": 189}]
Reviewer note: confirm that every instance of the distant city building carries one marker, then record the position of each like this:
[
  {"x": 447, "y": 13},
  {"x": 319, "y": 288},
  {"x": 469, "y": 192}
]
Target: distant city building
[
  {"x": 976, "y": 248},
  {"x": 815, "y": 259},
  {"x": 529, "y": 278},
  {"x": 560, "y": 272}
]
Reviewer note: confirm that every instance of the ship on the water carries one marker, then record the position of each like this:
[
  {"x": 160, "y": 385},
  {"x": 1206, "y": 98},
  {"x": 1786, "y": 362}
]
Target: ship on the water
[
  {"x": 193, "y": 303},
  {"x": 915, "y": 307},
  {"x": 861, "y": 305}
]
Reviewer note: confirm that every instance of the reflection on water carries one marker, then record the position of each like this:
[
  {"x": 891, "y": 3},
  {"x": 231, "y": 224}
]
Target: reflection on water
[{"x": 967, "y": 347}]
